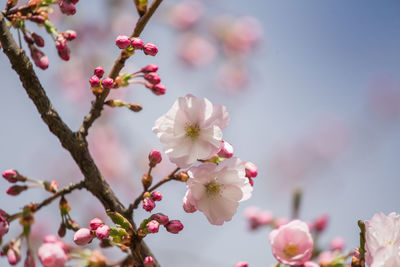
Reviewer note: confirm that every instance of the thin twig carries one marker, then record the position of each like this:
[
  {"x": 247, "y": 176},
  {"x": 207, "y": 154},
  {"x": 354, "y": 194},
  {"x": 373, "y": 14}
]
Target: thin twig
[{"x": 97, "y": 104}]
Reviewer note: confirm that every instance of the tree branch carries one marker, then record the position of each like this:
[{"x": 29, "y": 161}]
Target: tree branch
[{"x": 97, "y": 104}]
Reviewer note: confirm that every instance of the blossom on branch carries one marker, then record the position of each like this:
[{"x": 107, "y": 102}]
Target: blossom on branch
[
  {"x": 216, "y": 190},
  {"x": 191, "y": 130}
]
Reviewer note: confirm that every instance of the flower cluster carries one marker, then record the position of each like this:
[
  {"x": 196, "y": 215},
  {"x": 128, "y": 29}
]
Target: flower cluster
[
  {"x": 134, "y": 43},
  {"x": 97, "y": 229},
  {"x": 192, "y": 132},
  {"x": 152, "y": 224}
]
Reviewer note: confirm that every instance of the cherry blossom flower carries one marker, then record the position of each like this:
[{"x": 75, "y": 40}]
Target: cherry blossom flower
[
  {"x": 292, "y": 243},
  {"x": 52, "y": 254},
  {"x": 382, "y": 237},
  {"x": 191, "y": 130},
  {"x": 216, "y": 190}
]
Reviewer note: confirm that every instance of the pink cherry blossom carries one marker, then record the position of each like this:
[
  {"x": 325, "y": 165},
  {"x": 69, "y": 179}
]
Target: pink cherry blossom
[
  {"x": 191, "y": 130},
  {"x": 382, "y": 237},
  {"x": 83, "y": 236},
  {"x": 292, "y": 243},
  {"x": 217, "y": 189}
]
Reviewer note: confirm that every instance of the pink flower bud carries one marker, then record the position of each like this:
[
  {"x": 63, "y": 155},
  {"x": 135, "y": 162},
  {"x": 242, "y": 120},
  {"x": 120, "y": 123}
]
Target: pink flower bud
[
  {"x": 158, "y": 89},
  {"x": 150, "y": 68},
  {"x": 338, "y": 243},
  {"x": 251, "y": 181},
  {"x": 4, "y": 226},
  {"x": 174, "y": 226},
  {"x": 156, "y": 196},
  {"x": 39, "y": 58},
  {"x": 321, "y": 222},
  {"x": 148, "y": 261},
  {"x": 11, "y": 175},
  {"x": 137, "y": 43},
  {"x": 38, "y": 19},
  {"x": 83, "y": 237},
  {"x": 69, "y": 35},
  {"x": 99, "y": 72},
  {"x": 241, "y": 264},
  {"x": 122, "y": 41},
  {"x": 95, "y": 223},
  {"x": 150, "y": 49},
  {"x": 152, "y": 226},
  {"x": 103, "y": 232},
  {"x": 161, "y": 218},
  {"x": 107, "y": 83},
  {"x": 154, "y": 158},
  {"x": 148, "y": 204},
  {"x": 16, "y": 190},
  {"x": 13, "y": 256},
  {"x": 226, "y": 150},
  {"x": 29, "y": 40},
  {"x": 251, "y": 169},
  {"x": 67, "y": 7},
  {"x": 153, "y": 77},
  {"x": 62, "y": 48},
  {"x": 94, "y": 81},
  {"x": 38, "y": 39}
]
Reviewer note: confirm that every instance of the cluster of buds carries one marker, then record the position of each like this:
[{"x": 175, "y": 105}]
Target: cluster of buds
[
  {"x": 152, "y": 224},
  {"x": 97, "y": 229},
  {"x": 152, "y": 79},
  {"x": 98, "y": 83},
  {"x": 319, "y": 224},
  {"x": 134, "y": 43},
  {"x": 149, "y": 200},
  {"x": 53, "y": 252},
  {"x": 34, "y": 41},
  {"x": 67, "y": 7},
  {"x": 66, "y": 221},
  {"x": 61, "y": 43}
]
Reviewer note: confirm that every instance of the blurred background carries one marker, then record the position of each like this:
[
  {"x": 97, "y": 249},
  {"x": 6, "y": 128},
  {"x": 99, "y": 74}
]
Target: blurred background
[{"x": 313, "y": 92}]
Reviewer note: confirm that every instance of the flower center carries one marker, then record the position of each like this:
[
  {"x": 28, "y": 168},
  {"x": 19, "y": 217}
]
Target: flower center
[
  {"x": 213, "y": 188},
  {"x": 193, "y": 131},
  {"x": 388, "y": 243},
  {"x": 291, "y": 250}
]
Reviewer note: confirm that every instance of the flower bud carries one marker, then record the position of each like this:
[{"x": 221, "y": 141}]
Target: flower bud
[
  {"x": 152, "y": 226},
  {"x": 338, "y": 243},
  {"x": 122, "y": 41},
  {"x": 158, "y": 89},
  {"x": 69, "y": 35},
  {"x": 83, "y": 237},
  {"x": 99, "y": 72},
  {"x": 135, "y": 107},
  {"x": 38, "y": 39},
  {"x": 226, "y": 150},
  {"x": 39, "y": 58},
  {"x": 148, "y": 204},
  {"x": 161, "y": 218},
  {"x": 153, "y": 77},
  {"x": 28, "y": 39},
  {"x": 182, "y": 176},
  {"x": 150, "y": 49},
  {"x": 16, "y": 190},
  {"x": 137, "y": 43},
  {"x": 62, "y": 230},
  {"x": 147, "y": 180},
  {"x": 62, "y": 48},
  {"x": 11, "y": 175},
  {"x": 103, "y": 232},
  {"x": 148, "y": 261},
  {"x": 37, "y": 19},
  {"x": 13, "y": 256},
  {"x": 154, "y": 158},
  {"x": 67, "y": 7},
  {"x": 107, "y": 83},
  {"x": 241, "y": 264},
  {"x": 94, "y": 81},
  {"x": 321, "y": 222},
  {"x": 174, "y": 226},
  {"x": 251, "y": 169},
  {"x": 156, "y": 196},
  {"x": 95, "y": 223},
  {"x": 150, "y": 68},
  {"x": 4, "y": 225}
]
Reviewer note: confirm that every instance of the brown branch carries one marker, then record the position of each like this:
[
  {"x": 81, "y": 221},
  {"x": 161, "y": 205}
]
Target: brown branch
[
  {"x": 47, "y": 201},
  {"x": 97, "y": 104}
]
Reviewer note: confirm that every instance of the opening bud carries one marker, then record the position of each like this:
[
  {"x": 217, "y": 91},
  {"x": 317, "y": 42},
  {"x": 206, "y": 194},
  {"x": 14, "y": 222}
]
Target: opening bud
[
  {"x": 156, "y": 196},
  {"x": 67, "y": 7},
  {"x": 137, "y": 43},
  {"x": 152, "y": 226},
  {"x": 103, "y": 232},
  {"x": 95, "y": 223},
  {"x": 251, "y": 169},
  {"x": 226, "y": 150},
  {"x": 154, "y": 158},
  {"x": 83, "y": 237},
  {"x": 122, "y": 41},
  {"x": 148, "y": 204}
]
